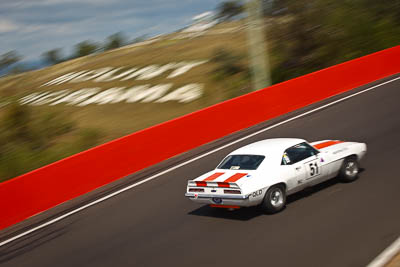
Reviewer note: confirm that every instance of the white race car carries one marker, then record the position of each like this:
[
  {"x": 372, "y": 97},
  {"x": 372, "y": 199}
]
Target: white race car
[{"x": 265, "y": 172}]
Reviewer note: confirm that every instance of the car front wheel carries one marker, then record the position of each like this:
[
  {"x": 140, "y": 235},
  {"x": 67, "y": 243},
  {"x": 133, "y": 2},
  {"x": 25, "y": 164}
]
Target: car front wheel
[
  {"x": 349, "y": 170},
  {"x": 274, "y": 200}
]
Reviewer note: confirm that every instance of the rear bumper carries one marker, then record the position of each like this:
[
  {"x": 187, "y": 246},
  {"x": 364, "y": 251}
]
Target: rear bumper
[
  {"x": 194, "y": 195},
  {"x": 230, "y": 200}
]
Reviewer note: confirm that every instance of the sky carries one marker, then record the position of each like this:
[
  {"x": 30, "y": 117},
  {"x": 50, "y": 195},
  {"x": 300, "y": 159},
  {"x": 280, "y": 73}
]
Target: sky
[{"x": 32, "y": 27}]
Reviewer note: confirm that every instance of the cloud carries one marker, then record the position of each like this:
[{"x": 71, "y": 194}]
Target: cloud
[
  {"x": 7, "y": 26},
  {"x": 23, "y": 4},
  {"x": 35, "y": 26}
]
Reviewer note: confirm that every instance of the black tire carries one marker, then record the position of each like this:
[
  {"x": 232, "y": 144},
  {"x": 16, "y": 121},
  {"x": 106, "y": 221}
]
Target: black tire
[
  {"x": 274, "y": 200},
  {"x": 349, "y": 170}
]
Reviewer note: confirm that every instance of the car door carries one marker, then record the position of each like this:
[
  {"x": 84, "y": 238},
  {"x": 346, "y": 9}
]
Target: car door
[
  {"x": 306, "y": 163},
  {"x": 294, "y": 173}
]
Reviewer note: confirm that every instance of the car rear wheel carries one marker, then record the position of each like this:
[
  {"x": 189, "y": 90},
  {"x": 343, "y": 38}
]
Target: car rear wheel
[
  {"x": 349, "y": 170},
  {"x": 274, "y": 200}
]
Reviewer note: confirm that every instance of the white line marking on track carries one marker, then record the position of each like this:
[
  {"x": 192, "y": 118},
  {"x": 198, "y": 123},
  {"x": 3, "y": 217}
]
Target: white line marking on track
[
  {"x": 388, "y": 254},
  {"x": 187, "y": 162}
]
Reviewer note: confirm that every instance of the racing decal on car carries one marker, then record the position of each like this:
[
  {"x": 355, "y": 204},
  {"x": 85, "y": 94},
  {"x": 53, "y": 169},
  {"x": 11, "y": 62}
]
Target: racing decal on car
[
  {"x": 286, "y": 159},
  {"x": 201, "y": 183},
  {"x": 235, "y": 177},
  {"x": 213, "y": 176},
  {"x": 257, "y": 193},
  {"x": 340, "y": 150},
  {"x": 327, "y": 143},
  {"x": 313, "y": 169},
  {"x": 225, "y": 183}
]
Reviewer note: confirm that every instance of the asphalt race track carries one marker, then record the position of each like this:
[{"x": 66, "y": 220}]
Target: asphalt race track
[{"x": 332, "y": 224}]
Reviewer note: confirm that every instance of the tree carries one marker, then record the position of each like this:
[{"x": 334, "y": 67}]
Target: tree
[
  {"x": 322, "y": 33},
  {"x": 139, "y": 39},
  {"x": 85, "y": 48},
  {"x": 16, "y": 122},
  {"x": 230, "y": 9},
  {"x": 115, "y": 40},
  {"x": 230, "y": 72},
  {"x": 28, "y": 140},
  {"x": 53, "y": 56},
  {"x": 226, "y": 62},
  {"x": 8, "y": 59},
  {"x": 19, "y": 68},
  {"x": 274, "y": 7}
]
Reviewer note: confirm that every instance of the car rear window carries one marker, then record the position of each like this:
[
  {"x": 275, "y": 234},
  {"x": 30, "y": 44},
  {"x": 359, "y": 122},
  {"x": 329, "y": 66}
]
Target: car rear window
[{"x": 241, "y": 162}]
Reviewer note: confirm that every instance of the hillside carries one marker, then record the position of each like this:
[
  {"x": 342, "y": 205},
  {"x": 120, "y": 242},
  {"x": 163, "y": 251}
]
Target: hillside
[
  {"x": 112, "y": 94},
  {"x": 151, "y": 63}
]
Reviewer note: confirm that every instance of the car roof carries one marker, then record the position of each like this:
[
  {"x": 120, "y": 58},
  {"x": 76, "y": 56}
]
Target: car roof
[{"x": 268, "y": 147}]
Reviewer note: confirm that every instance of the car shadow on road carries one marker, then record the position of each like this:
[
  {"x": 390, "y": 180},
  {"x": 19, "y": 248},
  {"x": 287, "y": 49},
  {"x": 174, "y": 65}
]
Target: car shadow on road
[
  {"x": 245, "y": 214},
  {"x": 314, "y": 189}
]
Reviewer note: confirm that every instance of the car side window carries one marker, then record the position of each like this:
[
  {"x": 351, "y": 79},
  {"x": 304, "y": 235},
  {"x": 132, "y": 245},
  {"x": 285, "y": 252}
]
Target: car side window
[{"x": 298, "y": 153}]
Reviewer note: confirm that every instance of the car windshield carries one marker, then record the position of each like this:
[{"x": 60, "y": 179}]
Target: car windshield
[{"x": 241, "y": 162}]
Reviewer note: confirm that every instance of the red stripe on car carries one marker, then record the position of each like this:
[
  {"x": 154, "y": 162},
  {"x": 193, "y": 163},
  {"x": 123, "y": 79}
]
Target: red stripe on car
[
  {"x": 223, "y": 184},
  {"x": 235, "y": 177},
  {"x": 201, "y": 184},
  {"x": 214, "y": 176},
  {"x": 326, "y": 144}
]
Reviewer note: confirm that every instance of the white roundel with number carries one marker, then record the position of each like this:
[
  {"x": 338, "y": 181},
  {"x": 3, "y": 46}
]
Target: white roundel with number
[{"x": 313, "y": 168}]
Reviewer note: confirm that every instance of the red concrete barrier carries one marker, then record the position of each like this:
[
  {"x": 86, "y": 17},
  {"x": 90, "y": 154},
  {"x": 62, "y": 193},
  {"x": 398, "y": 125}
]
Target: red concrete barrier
[{"x": 46, "y": 187}]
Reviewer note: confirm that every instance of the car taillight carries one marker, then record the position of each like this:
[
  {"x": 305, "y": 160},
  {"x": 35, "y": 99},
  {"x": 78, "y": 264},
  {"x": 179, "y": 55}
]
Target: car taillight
[
  {"x": 196, "y": 190},
  {"x": 229, "y": 191}
]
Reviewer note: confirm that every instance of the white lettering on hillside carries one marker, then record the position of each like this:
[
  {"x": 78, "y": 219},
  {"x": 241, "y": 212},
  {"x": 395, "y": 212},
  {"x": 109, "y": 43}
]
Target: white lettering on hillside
[
  {"x": 183, "y": 94},
  {"x": 185, "y": 67},
  {"x": 64, "y": 78},
  {"x": 151, "y": 94},
  {"x": 141, "y": 93},
  {"x": 90, "y": 75},
  {"x": 129, "y": 95},
  {"x": 32, "y": 97},
  {"x": 50, "y": 97},
  {"x": 103, "y": 97},
  {"x": 107, "y": 74},
  {"x": 77, "y": 96},
  {"x": 146, "y": 70},
  {"x": 155, "y": 71}
]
